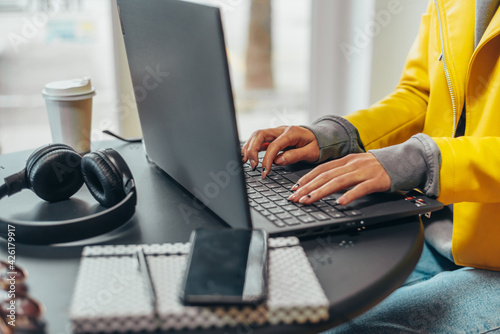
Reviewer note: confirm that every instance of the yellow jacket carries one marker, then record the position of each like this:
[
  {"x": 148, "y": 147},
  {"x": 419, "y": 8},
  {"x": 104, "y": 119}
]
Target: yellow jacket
[{"x": 443, "y": 73}]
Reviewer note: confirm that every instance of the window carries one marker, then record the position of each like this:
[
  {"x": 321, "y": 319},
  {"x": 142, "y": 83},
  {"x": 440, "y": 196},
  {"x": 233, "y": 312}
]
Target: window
[
  {"x": 45, "y": 41},
  {"x": 50, "y": 40},
  {"x": 270, "y": 74}
]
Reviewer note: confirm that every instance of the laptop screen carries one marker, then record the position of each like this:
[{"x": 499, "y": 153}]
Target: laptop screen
[{"x": 177, "y": 59}]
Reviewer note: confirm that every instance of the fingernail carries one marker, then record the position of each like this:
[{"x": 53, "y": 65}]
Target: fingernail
[
  {"x": 295, "y": 186},
  {"x": 253, "y": 164},
  {"x": 304, "y": 199},
  {"x": 280, "y": 161},
  {"x": 263, "y": 172},
  {"x": 291, "y": 197}
]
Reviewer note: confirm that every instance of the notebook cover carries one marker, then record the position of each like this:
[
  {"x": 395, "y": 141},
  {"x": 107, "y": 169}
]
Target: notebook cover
[{"x": 110, "y": 295}]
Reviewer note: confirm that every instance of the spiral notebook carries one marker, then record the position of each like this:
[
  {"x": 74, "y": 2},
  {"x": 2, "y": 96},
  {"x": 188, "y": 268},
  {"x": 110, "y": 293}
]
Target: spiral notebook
[{"x": 111, "y": 295}]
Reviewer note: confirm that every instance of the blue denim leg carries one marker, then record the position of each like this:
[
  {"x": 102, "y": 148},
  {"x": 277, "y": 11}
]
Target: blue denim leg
[
  {"x": 438, "y": 297},
  {"x": 429, "y": 265}
]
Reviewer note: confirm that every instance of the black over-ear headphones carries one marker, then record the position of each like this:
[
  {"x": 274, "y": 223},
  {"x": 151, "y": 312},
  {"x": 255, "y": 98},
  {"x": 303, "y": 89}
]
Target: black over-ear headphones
[{"x": 55, "y": 172}]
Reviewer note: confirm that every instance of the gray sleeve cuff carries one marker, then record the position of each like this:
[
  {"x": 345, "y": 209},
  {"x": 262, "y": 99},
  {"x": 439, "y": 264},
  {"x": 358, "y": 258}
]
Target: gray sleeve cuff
[
  {"x": 336, "y": 137},
  {"x": 412, "y": 164}
]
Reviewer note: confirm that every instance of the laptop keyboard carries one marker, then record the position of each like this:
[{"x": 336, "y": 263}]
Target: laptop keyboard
[{"x": 269, "y": 197}]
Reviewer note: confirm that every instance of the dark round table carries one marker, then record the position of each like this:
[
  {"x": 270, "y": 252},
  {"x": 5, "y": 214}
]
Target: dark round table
[{"x": 356, "y": 270}]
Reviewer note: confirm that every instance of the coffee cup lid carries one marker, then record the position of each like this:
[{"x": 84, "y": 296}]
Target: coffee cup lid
[{"x": 74, "y": 89}]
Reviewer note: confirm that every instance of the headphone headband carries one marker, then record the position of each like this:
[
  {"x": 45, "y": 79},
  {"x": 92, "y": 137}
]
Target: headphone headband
[{"x": 54, "y": 232}]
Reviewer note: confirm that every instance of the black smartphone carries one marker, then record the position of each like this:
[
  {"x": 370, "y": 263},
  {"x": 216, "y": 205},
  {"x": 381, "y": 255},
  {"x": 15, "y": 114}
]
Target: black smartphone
[{"x": 226, "y": 266}]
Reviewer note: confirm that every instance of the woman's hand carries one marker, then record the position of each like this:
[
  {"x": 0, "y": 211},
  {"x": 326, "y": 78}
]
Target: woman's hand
[
  {"x": 273, "y": 141},
  {"x": 362, "y": 171}
]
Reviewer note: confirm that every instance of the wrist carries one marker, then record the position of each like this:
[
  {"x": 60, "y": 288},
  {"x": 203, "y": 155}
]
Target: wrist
[
  {"x": 412, "y": 164},
  {"x": 336, "y": 137}
]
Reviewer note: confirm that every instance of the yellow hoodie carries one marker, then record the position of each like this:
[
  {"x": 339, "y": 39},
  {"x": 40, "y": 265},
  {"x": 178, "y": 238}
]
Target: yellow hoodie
[{"x": 443, "y": 73}]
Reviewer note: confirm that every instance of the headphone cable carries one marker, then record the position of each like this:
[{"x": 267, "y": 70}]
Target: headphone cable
[
  {"x": 13, "y": 184},
  {"x": 128, "y": 140},
  {"x": 3, "y": 191}
]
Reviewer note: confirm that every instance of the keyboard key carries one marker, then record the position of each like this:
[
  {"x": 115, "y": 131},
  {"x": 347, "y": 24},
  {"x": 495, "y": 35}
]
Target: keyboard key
[
  {"x": 291, "y": 176},
  {"x": 289, "y": 207},
  {"x": 329, "y": 209},
  {"x": 267, "y": 193},
  {"x": 283, "y": 215},
  {"x": 306, "y": 219},
  {"x": 297, "y": 213},
  {"x": 330, "y": 198},
  {"x": 276, "y": 210},
  {"x": 275, "y": 198},
  {"x": 278, "y": 223},
  {"x": 336, "y": 214},
  {"x": 281, "y": 203},
  {"x": 310, "y": 209},
  {"x": 259, "y": 208},
  {"x": 265, "y": 213},
  {"x": 254, "y": 195},
  {"x": 320, "y": 215},
  {"x": 331, "y": 202},
  {"x": 285, "y": 195},
  {"x": 352, "y": 212},
  {"x": 342, "y": 207},
  {"x": 254, "y": 179},
  {"x": 268, "y": 205},
  {"x": 261, "y": 200},
  {"x": 291, "y": 221}
]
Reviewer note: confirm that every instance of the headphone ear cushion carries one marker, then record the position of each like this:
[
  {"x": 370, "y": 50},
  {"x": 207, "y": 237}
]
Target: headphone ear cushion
[
  {"x": 103, "y": 178},
  {"x": 53, "y": 172}
]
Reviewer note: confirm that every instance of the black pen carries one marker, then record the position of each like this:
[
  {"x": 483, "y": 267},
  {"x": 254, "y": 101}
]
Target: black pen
[{"x": 146, "y": 276}]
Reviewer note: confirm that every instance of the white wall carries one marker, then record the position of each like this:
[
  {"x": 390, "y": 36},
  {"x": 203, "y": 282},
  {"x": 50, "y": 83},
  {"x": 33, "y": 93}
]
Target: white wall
[
  {"x": 358, "y": 51},
  {"x": 391, "y": 45},
  {"x": 340, "y": 61}
]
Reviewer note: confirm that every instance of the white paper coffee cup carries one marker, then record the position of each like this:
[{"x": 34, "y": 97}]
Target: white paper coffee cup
[{"x": 69, "y": 107}]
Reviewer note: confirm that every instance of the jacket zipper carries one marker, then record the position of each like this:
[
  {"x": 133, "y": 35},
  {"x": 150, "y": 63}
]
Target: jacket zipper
[{"x": 447, "y": 72}]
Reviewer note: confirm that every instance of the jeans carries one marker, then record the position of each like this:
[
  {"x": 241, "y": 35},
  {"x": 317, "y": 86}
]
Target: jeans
[{"x": 438, "y": 297}]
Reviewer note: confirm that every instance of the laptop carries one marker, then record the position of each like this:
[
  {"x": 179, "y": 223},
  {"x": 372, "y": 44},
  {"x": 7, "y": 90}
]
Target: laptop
[{"x": 179, "y": 68}]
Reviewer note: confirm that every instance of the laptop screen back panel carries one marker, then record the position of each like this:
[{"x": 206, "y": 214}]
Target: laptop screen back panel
[{"x": 183, "y": 92}]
